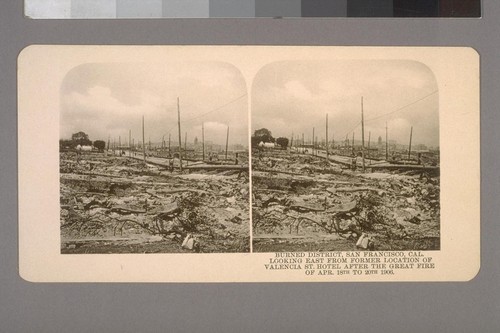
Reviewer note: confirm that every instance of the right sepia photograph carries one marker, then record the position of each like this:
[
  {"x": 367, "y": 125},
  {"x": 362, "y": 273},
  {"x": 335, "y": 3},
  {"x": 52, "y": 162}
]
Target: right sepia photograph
[{"x": 345, "y": 156}]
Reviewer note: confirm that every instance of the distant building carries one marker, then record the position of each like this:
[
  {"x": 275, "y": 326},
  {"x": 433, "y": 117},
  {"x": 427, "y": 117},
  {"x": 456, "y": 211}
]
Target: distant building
[{"x": 267, "y": 144}]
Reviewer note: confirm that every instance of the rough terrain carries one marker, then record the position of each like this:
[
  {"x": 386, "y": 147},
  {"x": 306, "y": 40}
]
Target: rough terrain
[
  {"x": 305, "y": 203},
  {"x": 112, "y": 204}
]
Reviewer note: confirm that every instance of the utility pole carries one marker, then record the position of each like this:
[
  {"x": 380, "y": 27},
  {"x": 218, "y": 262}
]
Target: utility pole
[
  {"x": 143, "y": 145},
  {"x": 227, "y": 140},
  {"x": 203, "y": 139},
  {"x": 313, "y": 142},
  {"x": 302, "y": 143},
  {"x": 185, "y": 147},
  {"x": 369, "y": 137},
  {"x": 169, "y": 155},
  {"x": 129, "y": 142},
  {"x": 409, "y": 147},
  {"x": 362, "y": 135},
  {"x": 108, "y": 141},
  {"x": 327, "y": 136},
  {"x": 352, "y": 145},
  {"x": 120, "y": 143},
  {"x": 386, "y": 144},
  {"x": 179, "y": 126}
]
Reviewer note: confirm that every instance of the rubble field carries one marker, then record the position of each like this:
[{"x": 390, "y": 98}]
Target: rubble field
[
  {"x": 306, "y": 203},
  {"x": 112, "y": 204}
]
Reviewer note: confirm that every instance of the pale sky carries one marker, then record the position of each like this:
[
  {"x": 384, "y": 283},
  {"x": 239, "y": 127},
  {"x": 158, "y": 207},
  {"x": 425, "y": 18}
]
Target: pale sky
[
  {"x": 295, "y": 96},
  {"x": 108, "y": 99}
]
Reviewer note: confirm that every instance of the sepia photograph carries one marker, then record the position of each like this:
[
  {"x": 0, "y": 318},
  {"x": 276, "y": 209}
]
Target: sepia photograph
[
  {"x": 154, "y": 158},
  {"x": 345, "y": 156},
  {"x": 248, "y": 163}
]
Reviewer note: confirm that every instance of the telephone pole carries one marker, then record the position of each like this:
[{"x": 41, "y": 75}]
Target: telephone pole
[
  {"x": 369, "y": 137},
  {"x": 179, "y": 126},
  {"x": 129, "y": 142},
  {"x": 362, "y": 135},
  {"x": 203, "y": 139},
  {"x": 386, "y": 144},
  {"x": 143, "y": 145},
  {"x": 313, "y": 143},
  {"x": 227, "y": 140},
  {"x": 327, "y": 136},
  {"x": 409, "y": 147},
  {"x": 352, "y": 145}
]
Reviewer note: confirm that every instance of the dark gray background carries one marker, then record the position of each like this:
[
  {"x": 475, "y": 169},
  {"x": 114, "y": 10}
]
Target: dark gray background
[{"x": 327, "y": 307}]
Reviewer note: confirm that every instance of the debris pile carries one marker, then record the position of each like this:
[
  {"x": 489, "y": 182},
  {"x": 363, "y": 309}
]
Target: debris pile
[
  {"x": 120, "y": 205},
  {"x": 300, "y": 207}
]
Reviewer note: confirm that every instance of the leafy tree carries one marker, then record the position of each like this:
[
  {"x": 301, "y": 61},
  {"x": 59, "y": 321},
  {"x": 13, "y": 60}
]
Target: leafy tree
[
  {"x": 65, "y": 144},
  {"x": 99, "y": 144},
  {"x": 262, "y": 135},
  {"x": 81, "y": 138},
  {"x": 283, "y": 142}
]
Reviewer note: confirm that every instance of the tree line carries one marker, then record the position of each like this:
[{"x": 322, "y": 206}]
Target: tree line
[
  {"x": 265, "y": 136},
  {"x": 82, "y": 139}
]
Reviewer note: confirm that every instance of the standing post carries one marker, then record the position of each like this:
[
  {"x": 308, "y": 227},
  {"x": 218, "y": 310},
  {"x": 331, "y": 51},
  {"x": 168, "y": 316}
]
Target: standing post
[
  {"x": 362, "y": 135},
  {"x": 327, "y": 136},
  {"x": 203, "y": 139},
  {"x": 386, "y": 144},
  {"x": 313, "y": 142},
  {"x": 143, "y": 142},
  {"x": 169, "y": 154},
  {"x": 185, "y": 147},
  {"x": 302, "y": 143},
  {"x": 369, "y": 137},
  {"x": 129, "y": 142},
  {"x": 179, "y": 126},
  {"x": 352, "y": 143},
  {"x": 409, "y": 147},
  {"x": 227, "y": 140}
]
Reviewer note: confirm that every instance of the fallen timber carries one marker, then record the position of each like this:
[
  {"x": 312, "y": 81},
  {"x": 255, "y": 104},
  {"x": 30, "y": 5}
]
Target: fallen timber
[
  {"x": 164, "y": 164},
  {"x": 217, "y": 167},
  {"x": 379, "y": 165},
  {"x": 405, "y": 167}
]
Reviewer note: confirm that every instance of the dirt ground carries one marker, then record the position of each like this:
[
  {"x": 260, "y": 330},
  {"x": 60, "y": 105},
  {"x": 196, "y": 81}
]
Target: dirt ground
[
  {"x": 304, "y": 203},
  {"x": 112, "y": 204}
]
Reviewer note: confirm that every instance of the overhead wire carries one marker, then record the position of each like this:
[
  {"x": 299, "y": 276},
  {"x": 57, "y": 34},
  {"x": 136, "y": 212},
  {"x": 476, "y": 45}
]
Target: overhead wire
[
  {"x": 392, "y": 112},
  {"x": 211, "y": 111}
]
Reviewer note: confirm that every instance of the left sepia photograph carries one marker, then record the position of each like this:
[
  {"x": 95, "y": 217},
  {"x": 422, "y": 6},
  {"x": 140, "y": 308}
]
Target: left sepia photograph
[{"x": 153, "y": 158}]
